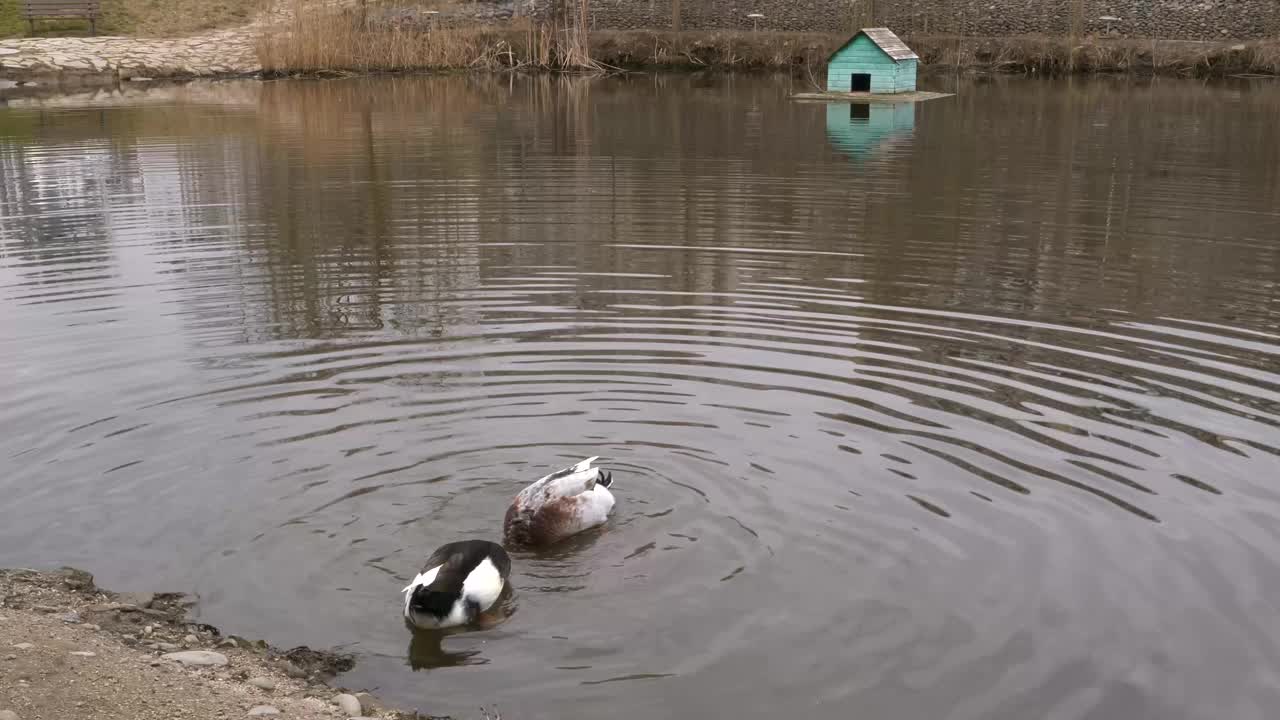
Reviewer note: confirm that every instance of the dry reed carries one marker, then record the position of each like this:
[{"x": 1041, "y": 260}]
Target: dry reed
[{"x": 341, "y": 39}]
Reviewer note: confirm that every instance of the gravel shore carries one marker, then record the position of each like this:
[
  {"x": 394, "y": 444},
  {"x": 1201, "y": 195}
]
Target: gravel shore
[{"x": 71, "y": 650}]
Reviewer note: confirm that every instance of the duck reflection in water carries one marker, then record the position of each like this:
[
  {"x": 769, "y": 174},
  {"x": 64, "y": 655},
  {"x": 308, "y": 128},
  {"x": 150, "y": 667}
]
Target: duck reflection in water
[{"x": 426, "y": 647}]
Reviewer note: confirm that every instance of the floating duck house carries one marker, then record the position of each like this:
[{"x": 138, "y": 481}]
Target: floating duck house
[{"x": 872, "y": 61}]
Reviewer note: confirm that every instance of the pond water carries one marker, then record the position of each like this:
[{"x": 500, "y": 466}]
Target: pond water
[{"x": 966, "y": 409}]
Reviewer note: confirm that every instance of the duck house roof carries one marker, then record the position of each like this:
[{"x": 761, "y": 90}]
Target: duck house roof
[{"x": 886, "y": 40}]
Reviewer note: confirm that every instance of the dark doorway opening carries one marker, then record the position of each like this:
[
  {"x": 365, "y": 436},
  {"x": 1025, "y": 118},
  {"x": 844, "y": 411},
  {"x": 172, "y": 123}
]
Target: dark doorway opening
[
  {"x": 861, "y": 82},
  {"x": 859, "y": 112}
]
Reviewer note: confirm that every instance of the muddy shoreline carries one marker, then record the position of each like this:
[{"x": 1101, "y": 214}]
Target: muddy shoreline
[{"x": 71, "y": 649}]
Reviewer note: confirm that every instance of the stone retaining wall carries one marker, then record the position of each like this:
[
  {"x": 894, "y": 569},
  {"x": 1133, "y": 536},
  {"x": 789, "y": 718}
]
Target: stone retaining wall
[
  {"x": 224, "y": 52},
  {"x": 1164, "y": 19}
]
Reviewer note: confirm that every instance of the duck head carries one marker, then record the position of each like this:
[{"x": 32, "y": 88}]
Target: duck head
[{"x": 437, "y": 608}]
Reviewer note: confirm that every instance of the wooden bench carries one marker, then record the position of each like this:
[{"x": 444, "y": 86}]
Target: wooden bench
[{"x": 56, "y": 9}]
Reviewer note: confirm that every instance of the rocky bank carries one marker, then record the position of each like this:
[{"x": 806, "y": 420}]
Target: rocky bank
[
  {"x": 226, "y": 52},
  {"x": 69, "y": 650}
]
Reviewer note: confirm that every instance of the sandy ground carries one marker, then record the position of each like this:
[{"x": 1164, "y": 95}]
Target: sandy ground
[{"x": 69, "y": 650}]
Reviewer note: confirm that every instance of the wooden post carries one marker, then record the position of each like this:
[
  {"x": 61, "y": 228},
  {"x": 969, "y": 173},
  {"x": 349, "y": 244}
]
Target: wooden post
[{"x": 675, "y": 15}]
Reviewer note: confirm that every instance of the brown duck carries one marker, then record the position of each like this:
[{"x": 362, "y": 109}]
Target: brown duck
[{"x": 561, "y": 504}]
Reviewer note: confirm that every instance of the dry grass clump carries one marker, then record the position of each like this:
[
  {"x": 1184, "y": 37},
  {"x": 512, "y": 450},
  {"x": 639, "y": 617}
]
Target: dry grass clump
[
  {"x": 322, "y": 39},
  {"x": 1061, "y": 56},
  {"x": 720, "y": 50}
]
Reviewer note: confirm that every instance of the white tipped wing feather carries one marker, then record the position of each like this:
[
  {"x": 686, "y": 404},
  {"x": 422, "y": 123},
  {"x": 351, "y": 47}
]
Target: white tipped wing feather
[
  {"x": 424, "y": 579},
  {"x": 585, "y": 464},
  {"x": 570, "y": 481}
]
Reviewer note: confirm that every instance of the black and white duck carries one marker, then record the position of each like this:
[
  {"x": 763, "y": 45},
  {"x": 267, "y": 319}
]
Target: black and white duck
[{"x": 459, "y": 581}]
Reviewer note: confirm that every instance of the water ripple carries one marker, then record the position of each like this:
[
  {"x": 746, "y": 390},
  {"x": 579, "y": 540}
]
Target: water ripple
[{"x": 991, "y": 442}]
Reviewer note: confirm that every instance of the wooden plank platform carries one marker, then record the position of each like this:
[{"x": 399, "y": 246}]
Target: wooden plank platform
[{"x": 870, "y": 97}]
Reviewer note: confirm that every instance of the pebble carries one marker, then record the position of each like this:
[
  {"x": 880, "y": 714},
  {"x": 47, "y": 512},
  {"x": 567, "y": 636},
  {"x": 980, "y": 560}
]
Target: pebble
[
  {"x": 168, "y": 647},
  {"x": 228, "y": 643},
  {"x": 9, "y": 715},
  {"x": 83, "y": 653},
  {"x": 147, "y": 630},
  {"x": 23, "y": 646},
  {"x": 91, "y": 626},
  {"x": 10, "y": 657},
  {"x": 294, "y": 671},
  {"x": 367, "y": 702},
  {"x": 191, "y": 639},
  {"x": 197, "y": 658},
  {"x": 348, "y": 704},
  {"x": 142, "y": 600},
  {"x": 263, "y": 683},
  {"x": 262, "y": 711},
  {"x": 71, "y": 618}
]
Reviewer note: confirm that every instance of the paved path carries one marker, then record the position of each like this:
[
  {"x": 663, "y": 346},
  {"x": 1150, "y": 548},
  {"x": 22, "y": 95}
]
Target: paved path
[{"x": 223, "y": 52}]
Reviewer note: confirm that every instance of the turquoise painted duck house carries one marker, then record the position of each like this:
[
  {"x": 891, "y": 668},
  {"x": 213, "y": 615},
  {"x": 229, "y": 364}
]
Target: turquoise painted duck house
[{"x": 873, "y": 61}]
